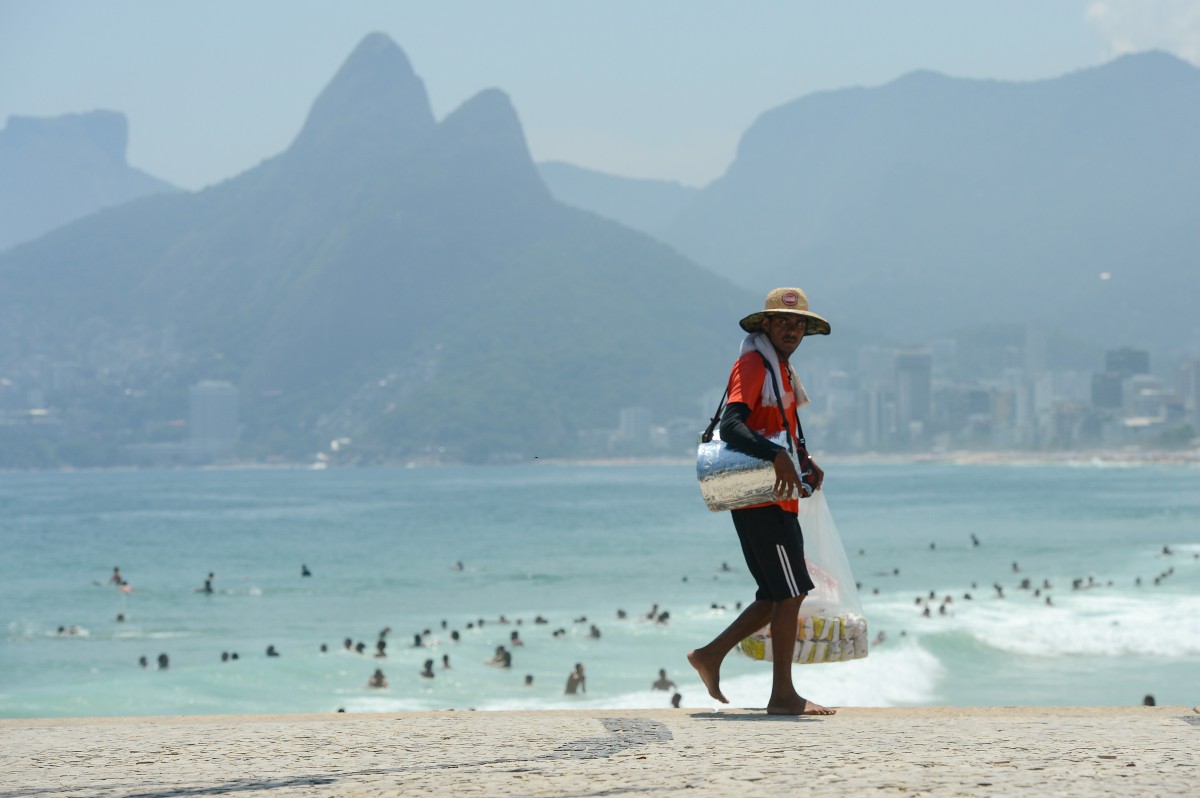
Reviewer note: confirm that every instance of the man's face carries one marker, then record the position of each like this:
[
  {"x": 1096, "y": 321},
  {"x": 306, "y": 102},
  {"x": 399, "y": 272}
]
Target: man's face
[{"x": 786, "y": 331}]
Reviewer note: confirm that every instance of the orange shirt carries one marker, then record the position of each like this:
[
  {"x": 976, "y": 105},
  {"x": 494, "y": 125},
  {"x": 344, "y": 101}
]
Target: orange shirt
[{"x": 750, "y": 385}]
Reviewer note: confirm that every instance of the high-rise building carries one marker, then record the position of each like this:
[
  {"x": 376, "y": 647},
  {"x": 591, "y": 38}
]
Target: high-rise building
[
  {"x": 1188, "y": 389},
  {"x": 1127, "y": 361},
  {"x": 1106, "y": 391},
  {"x": 213, "y": 429},
  {"x": 634, "y": 433},
  {"x": 914, "y": 387}
]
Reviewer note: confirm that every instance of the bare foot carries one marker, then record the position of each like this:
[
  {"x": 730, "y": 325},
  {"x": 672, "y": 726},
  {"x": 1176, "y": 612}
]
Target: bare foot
[
  {"x": 801, "y": 707},
  {"x": 710, "y": 674}
]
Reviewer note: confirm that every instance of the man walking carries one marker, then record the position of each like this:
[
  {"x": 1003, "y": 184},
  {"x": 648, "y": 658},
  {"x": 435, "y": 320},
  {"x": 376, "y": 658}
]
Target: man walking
[{"x": 764, "y": 396}]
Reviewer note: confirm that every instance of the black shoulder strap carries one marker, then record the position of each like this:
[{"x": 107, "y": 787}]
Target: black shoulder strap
[{"x": 707, "y": 436}]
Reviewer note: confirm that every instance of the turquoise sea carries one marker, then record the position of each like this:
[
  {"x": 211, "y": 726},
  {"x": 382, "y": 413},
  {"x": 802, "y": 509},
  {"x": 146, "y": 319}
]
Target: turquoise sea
[{"x": 571, "y": 542}]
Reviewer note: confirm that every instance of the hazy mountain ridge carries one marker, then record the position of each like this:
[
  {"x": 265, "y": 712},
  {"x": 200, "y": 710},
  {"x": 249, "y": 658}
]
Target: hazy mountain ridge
[
  {"x": 403, "y": 281},
  {"x": 932, "y": 202},
  {"x": 645, "y": 205},
  {"x": 55, "y": 170},
  {"x": 414, "y": 285}
]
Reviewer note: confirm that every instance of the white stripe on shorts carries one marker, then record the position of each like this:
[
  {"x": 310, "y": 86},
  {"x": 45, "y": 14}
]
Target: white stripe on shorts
[{"x": 787, "y": 570}]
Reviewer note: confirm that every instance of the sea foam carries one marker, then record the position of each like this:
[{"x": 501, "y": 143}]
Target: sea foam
[{"x": 1085, "y": 625}]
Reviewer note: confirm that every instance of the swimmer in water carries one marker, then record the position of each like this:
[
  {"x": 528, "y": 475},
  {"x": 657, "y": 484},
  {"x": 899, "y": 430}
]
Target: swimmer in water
[{"x": 576, "y": 681}]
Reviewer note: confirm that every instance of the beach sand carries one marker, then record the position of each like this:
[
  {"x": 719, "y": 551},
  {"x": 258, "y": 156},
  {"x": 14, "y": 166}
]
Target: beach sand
[{"x": 951, "y": 751}]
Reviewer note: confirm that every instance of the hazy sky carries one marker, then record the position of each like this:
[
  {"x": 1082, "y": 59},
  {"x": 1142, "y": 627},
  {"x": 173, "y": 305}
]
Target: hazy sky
[{"x": 644, "y": 88}]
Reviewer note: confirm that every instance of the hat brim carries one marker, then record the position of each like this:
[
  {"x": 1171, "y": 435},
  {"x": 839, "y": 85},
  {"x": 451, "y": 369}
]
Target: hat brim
[{"x": 816, "y": 324}]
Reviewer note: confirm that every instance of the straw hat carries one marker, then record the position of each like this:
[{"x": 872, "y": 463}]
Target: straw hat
[{"x": 786, "y": 300}]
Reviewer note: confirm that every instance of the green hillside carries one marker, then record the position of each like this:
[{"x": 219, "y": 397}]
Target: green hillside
[{"x": 406, "y": 283}]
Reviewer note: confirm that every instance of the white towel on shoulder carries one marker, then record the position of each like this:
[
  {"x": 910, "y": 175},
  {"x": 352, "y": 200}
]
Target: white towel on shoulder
[{"x": 759, "y": 342}]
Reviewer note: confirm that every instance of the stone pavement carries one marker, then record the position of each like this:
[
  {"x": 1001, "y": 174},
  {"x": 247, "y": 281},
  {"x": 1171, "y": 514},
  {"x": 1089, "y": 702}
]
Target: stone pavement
[{"x": 940, "y": 751}]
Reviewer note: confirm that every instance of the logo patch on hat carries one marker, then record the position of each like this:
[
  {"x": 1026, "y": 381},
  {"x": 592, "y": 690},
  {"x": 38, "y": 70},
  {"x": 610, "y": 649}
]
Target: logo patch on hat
[{"x": 789, "y": 298}]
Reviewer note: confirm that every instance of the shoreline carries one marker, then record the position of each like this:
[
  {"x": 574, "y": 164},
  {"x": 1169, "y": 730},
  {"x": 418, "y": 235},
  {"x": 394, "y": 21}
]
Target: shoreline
[
  {"x": 732, "y": 752},
  {"x": 1015, "y": 457},
  {"x": 1096, "y": 457}
]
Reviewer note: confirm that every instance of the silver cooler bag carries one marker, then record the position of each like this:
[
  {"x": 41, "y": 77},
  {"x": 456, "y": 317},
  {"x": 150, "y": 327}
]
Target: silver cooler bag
[{"x": 730, "y": 480}]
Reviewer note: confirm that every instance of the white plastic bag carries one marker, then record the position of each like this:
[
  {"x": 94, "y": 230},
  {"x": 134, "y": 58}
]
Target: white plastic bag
[{"x": 831, "y": 626}]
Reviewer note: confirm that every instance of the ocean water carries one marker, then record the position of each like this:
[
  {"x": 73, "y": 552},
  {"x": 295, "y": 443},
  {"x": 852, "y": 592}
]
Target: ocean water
[{"x": 573, "y": 542}]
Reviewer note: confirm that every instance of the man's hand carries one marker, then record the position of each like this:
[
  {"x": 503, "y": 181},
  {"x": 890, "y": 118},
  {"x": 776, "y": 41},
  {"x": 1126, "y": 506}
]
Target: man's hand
[
  {"x": 818, "y": 475},
  {"x": 787, "y": 479}
]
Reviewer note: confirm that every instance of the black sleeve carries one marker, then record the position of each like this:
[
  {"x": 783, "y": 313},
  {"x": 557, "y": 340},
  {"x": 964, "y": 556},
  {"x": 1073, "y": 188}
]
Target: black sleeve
[{"x": 740, "y": 438}]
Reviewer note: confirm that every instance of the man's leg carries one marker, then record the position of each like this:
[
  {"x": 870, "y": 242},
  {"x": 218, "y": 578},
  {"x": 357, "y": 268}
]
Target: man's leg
[
  {"x": 707, "y": 659},
  {"x": 784, "y": 698}
]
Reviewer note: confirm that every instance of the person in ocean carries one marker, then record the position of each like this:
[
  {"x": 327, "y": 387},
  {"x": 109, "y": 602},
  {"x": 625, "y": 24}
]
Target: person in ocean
[
  {"x": 763, "y": 397},
  {"x": 428, "y": 673},
  {"x": 663, "y": 683},
  {"x": 576, "y": 681},
  {"x": 501, "y": 658},
  {"x": 116, "y": 578},
  {"x": 377, "y": 680}
]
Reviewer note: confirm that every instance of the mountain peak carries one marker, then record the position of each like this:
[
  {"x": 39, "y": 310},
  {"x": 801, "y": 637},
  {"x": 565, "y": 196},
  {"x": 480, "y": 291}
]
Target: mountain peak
[
  {"x": 55, "y": 170},
  {"x": 105, "y": 133},
  {"x": 374, "y": 97},
  {"x": 1154, "y": 67},
  {"x": 482, "y": 144}
]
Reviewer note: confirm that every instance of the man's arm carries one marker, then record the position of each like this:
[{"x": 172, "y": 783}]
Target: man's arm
[{"x": 740, "y": 438}]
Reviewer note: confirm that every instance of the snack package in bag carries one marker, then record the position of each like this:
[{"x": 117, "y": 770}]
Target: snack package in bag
[{"x": 831, "y": 626}]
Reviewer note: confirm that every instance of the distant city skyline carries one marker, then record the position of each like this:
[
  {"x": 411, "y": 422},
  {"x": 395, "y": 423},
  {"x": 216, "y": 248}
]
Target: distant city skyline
[{"x": 661, "y": 90}]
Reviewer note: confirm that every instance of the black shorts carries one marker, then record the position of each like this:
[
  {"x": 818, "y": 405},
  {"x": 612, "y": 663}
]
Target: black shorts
[{"x": 774, "y": 551}]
